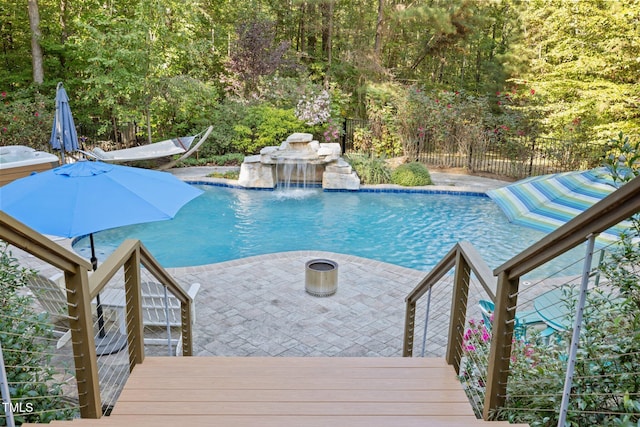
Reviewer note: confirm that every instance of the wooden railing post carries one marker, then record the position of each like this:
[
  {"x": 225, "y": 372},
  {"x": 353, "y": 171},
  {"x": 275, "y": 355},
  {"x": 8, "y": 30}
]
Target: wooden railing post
[
  {"x": 187, "y": 339},
  {"x": 501, "y": 340},
  {"x": 84, "y": 347},
  {"x": 409, "y": 327},
  {"x": 458, "y": 311},
  {"x": 133, "y": 308}
]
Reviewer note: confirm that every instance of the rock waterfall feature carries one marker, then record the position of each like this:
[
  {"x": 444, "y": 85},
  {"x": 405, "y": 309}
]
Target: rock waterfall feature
[{"x": 299, "y": 161}]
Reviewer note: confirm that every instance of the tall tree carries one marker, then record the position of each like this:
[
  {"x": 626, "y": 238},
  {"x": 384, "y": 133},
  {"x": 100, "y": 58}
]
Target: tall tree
[
  {"x": 583, "y": 64},
  {"x": 36, "y": 49},
  {"x": 377, "y": 47}
]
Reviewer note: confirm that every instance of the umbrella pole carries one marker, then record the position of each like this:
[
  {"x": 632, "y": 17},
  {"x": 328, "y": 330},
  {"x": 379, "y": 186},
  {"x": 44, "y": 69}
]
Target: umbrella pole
[
  {"x": 94, "y": 264},
  {"x": 105, "y": 344}
]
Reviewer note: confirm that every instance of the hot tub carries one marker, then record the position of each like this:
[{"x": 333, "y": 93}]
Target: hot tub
[{"x": 17, "y": 161}]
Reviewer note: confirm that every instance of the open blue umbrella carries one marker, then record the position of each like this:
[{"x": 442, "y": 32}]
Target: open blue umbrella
[
  {"x": 85, "y": 197},
  {"x": 63, "y": 135}
]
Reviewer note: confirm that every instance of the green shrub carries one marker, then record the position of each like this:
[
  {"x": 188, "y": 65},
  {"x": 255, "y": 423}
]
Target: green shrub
[
  {"x": 27, "y": 340},
  {"x": 371, "y": 170},
  {"x": 235, "y": 174},
  {"x": 411, "y": 175},
  {"x": 229, "y": 159},
  {"x": 265, "y": 126}
]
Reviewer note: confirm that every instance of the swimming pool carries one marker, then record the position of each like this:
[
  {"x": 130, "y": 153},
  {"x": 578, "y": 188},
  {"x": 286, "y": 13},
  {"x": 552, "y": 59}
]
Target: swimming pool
[{"x": 409, "y": 229}]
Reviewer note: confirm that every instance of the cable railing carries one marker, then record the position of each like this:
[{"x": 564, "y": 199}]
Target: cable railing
[
  {"x": 142, "y": 310},
  {"x": 558, "y": 345}
]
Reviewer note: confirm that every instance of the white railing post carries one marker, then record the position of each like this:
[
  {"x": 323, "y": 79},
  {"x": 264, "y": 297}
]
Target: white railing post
[
  {"x": 575, "y": 338},
  {"x": 4, "y": 392}
]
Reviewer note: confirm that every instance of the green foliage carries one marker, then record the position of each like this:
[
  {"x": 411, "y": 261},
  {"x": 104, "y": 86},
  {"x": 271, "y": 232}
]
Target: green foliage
[
  {"x": 582, "y": 59},
  {"x": 226, "y": 175},
  {"x": 411, "y": 175},
  {"x": 224, "y": 119},
  {"x": 27, "y": 348},
  {"x": 371, "y": 169},
  {"x": 264, "y": 126},
  {"x": 185, "y": 106},
  {"x": 228, "y": 159},
  {"x": 128, "y": 61},
  {"x": 25, "y": 119},
  {"x": 623, "y": 160}
]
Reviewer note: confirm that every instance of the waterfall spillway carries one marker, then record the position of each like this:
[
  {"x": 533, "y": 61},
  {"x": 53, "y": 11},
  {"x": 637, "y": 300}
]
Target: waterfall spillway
[{"x": 296, "y": 174}]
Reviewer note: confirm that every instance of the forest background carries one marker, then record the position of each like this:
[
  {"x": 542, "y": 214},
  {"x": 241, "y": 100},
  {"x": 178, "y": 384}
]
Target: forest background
[{"x": 259, "y": 70}]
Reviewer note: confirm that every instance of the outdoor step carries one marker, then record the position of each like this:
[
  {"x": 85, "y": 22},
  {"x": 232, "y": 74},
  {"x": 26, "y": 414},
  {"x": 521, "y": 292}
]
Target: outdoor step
[{"x": 292, "y": 391}]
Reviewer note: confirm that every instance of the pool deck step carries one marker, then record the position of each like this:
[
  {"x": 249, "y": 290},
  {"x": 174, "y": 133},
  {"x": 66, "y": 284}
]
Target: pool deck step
[{"x": 291, "y": 391}]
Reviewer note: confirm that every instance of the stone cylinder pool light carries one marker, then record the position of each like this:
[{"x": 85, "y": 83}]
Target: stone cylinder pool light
[{"x": 321, "y": 277}]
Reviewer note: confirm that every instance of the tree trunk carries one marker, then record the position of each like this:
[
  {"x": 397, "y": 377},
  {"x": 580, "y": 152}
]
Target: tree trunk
[
  {"x": 311, "y": 31},
  {"x": 377, "y": 48},
  {"x": 36, "y": 49},
  {"x": 327, "y": 39}
]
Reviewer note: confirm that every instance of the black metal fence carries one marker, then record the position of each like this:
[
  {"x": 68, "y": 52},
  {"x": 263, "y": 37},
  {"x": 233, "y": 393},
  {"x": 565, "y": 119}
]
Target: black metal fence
[{"x": 515, "y": 157}]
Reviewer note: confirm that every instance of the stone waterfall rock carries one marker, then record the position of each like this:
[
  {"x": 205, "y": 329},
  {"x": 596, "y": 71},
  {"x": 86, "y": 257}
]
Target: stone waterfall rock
[{"x": 315, "y": 162}]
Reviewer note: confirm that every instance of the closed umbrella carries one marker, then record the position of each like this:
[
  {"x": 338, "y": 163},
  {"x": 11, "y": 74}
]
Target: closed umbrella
[
  {"x": 63, "y": 134},
  {"x": 85, "y": 197},
  {"x": 546, "y": 202}
]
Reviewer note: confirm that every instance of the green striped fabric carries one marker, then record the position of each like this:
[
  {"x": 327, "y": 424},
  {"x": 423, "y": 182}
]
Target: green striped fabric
[{"x": 549, "y": 201}]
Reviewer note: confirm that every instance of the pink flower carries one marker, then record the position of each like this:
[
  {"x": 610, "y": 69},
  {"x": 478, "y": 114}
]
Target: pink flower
[
  {"x": 4, "y": 94},
  {"x": 4, "y": 129},
  {"x": 37, "y": 114},
  {"x": 448, "y": 105},
  {"x": 437, "y": 101},
  {"x": 533, "y": 92},
  {"x": 485, "y": 336},
  {"x": 499, "y": 102}
]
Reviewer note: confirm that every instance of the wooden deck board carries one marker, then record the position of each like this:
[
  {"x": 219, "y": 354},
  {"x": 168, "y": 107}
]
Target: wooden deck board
[{"x": 292, "y": 392}]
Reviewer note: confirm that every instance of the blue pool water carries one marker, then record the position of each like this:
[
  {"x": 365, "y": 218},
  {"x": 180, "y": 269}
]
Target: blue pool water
[{"x": 409, "y": 229}]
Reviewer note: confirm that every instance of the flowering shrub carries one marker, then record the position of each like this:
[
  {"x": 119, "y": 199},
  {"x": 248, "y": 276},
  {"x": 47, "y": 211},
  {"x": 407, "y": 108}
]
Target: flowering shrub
[
  {"x": 473, "y": 370},
  {"x": 314, "y": 110},
  {"x": 25, "y": 119}
]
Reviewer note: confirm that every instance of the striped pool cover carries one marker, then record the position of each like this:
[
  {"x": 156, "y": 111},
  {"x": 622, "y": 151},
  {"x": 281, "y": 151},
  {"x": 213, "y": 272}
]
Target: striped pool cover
[{"x": 549, "y": 201}]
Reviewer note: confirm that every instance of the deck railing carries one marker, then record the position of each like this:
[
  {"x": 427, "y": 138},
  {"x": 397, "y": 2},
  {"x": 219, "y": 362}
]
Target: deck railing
[
  {"x": 511, "y": 301},
  {"x": 128, "y": 264}
]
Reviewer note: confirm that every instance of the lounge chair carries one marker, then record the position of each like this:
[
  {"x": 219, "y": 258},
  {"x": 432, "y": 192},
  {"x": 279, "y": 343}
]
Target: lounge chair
[
  {"x": 159, "y": 308},
  {"x": 51, "y": 294},
  {"x": 170, "y": 147}
]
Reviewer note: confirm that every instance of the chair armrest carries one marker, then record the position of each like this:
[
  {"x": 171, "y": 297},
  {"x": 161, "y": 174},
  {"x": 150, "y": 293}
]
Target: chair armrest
[{"x": 193, "y": 290}]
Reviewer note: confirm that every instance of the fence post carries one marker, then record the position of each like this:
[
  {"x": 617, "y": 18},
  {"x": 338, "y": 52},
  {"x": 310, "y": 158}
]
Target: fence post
[{"x": 533, "y": 153}]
